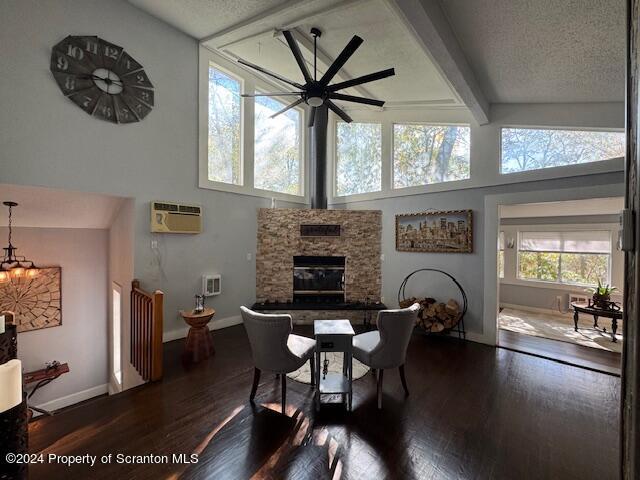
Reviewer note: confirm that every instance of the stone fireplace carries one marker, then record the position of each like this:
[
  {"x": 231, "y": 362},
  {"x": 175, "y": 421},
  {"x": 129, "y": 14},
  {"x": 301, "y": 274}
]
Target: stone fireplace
[{"x": 313, "y": 259}]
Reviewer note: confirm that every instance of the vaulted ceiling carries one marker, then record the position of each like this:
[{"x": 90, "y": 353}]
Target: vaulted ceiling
[
  {"x": 509, "y": 51},
  {"x": 387, "y": 43},
  {"x": 544, "y": 50}
]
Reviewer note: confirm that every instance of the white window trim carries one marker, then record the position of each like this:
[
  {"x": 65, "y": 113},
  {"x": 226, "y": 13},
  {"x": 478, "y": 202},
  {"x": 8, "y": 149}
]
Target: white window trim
[
  {"x": 428, "y": 124},
  {"x": 248, "y": 83},
  {"x": 582, "y": 166},
  {"x": 483, "y": 173},
  {"x": 387, "y": 189},
  {"x": 512, "y": 267}
]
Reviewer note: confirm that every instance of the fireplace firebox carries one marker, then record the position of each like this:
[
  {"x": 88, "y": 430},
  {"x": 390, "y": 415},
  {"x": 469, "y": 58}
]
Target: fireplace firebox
[{"x": 318, "y": 279}]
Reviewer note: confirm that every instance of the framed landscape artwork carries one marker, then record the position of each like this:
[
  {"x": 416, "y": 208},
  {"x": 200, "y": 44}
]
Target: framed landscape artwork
[
  {"x": 438, "y": 232},
  {"x": 35, "y": 302}
]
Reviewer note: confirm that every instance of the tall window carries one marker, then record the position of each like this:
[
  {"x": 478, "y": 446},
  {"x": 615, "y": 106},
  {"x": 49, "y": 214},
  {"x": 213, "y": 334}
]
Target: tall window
[
  {"x": 501, "y": 255},
  {"x": 526, "y": 149},
  {"x": 578, "y": 257},
  {"x": 277, "y": 149},
  {"x": 426, "y": 154},
  {"x": 358, "y": 158},
  {"x": 224, "y": 146}
]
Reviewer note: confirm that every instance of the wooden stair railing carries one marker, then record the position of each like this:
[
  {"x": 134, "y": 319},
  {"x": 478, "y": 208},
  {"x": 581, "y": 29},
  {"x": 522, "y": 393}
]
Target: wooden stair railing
[{"x": 146, "y": 332}]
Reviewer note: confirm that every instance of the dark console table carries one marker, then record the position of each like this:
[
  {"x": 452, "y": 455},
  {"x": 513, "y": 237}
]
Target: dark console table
[{"x": 595, "y": 312}]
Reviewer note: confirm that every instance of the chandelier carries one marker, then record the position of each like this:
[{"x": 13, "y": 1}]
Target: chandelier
[{"x": 12, "y": 265}]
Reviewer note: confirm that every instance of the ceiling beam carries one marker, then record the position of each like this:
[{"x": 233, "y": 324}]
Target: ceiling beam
[{"x": 430, "y": 27}]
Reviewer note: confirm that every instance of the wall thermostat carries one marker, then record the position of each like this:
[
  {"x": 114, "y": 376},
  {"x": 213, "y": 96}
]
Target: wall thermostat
[{"x": 211, "y": 285}]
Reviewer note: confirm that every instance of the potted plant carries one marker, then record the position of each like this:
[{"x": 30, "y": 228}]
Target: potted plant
[{"x": 601, "y": 295}]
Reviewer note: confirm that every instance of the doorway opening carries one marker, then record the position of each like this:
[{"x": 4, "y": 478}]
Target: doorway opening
[
  {"x": 550, "y": 258},
  {"x": 116, "y": 335}
]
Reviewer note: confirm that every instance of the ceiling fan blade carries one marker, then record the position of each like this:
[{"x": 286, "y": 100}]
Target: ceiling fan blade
[
  {"x": 293, "y": 45},
  {"x": 271, "y": 74},
  {"x": 291, "y": 105},
  {"x": 351, "y": 98},
  {"x": 312, "y": 117},
  {"x": 338, "y": 111},
  {"x": 274, "y": 94},
  {"x": 372, "y": 77},
  {"x": 339, "y": 62}
]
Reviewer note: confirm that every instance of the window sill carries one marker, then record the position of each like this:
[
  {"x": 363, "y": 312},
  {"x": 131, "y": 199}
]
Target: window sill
[
  {"x": 252, "y": 192},
  {"x": 593, "y": 168},
  {"x": 543, "y": 284}
]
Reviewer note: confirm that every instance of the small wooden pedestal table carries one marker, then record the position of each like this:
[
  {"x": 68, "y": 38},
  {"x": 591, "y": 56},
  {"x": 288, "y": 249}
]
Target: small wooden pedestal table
[
  {"x": 199, "y": 344},
  {"x": 334, "y": 336},
  {"x": 588, "y": 309},
  {"x": 41, "y": 378}
]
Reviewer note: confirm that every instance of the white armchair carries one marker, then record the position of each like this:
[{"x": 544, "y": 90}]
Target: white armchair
[
  {"x": 387, "y": 347},
  {"x": 275, "y": 349}
]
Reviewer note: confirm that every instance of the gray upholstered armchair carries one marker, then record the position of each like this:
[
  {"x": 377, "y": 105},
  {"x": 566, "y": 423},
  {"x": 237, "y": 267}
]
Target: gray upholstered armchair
[
  {"x": 387, "y": 347},
  {"x": 275, "y": 349}
]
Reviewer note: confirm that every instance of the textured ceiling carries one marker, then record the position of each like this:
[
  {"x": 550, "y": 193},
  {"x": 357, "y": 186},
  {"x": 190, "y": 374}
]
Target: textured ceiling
[
  {"x": 245, "y": 28},
  {"x": 589, "y": 206},
  {"x": 387, "y": 43},
  {"x": 543, "y": 50},
  {"x": 200, "y": 18},
  {"x": 51, "y": 208}
]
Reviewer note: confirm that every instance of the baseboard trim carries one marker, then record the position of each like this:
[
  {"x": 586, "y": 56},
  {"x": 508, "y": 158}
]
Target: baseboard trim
[
  {"x": 476, "y": 338},
  {"x": 215, "y": 324},
  {"x": 547, "y": 311},
  {"x": 72, "y": 399}
]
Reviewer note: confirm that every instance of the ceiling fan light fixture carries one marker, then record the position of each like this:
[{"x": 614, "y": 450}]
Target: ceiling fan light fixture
[
  {"x": 315, "y": 101},
  {"x": 317, "y": 93}
]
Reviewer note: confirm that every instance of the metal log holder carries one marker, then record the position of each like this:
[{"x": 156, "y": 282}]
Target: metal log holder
[{"x": 459, "y": 328}]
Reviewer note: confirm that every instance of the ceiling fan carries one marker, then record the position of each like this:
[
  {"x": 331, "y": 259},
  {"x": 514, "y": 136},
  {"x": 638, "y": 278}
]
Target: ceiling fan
[{"x": 314, "y": 92}]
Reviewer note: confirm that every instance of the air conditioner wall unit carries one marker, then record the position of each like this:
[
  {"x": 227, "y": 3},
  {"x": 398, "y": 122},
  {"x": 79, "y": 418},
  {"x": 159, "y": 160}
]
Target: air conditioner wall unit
[{"x": 168, "y": 217}]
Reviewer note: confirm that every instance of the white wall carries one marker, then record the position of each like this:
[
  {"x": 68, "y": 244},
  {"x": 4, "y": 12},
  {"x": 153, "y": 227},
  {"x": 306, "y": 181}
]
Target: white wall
[
  {"x": 47, "y": 140},
  {"x": 121, "y": 272},
  {"x": 81, "y": 340}
]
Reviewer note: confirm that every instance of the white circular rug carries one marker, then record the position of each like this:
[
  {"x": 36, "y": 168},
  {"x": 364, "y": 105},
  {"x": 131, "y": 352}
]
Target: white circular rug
[{"x": 303, "y": 374}]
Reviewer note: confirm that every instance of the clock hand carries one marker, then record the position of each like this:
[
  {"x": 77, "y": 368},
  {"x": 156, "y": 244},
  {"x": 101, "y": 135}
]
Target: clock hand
[{"x": 106, "y": 80}]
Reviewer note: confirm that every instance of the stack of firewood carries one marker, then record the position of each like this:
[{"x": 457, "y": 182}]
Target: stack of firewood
[{"x": 435, "y": 316}]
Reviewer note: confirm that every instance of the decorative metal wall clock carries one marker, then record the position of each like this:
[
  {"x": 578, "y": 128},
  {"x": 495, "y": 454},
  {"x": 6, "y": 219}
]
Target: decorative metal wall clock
[{"x": 102, "y": 79}]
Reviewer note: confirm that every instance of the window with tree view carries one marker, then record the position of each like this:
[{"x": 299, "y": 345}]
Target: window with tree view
[
  {"x": 526, "y": 149},
  {"x": 224, "y": 145},
  {"x": 575, "y": 258},
  {"x": 426, "y": 154},
  {"x": 277, "y": 148},
  {"x": 358, "y": 158}
]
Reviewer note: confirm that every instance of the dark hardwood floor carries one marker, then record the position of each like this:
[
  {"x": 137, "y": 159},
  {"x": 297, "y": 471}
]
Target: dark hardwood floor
[
  {"x": 475, "y": 412},
  {"x": 565, "y": 352}
]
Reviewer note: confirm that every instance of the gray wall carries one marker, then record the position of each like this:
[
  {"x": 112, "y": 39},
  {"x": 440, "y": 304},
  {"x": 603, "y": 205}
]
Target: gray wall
[
  {"x": 81, "y": 340},
  {"x": 467, "y": 268},
  {"x": 47, "y": 140}
]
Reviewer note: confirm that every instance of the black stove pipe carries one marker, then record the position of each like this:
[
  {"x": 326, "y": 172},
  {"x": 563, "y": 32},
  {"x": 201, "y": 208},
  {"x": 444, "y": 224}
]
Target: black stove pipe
[{"x": 318, "y": 159}]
